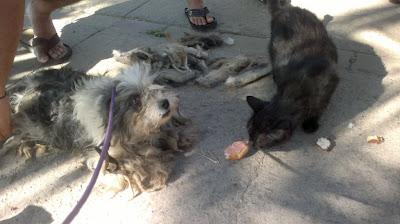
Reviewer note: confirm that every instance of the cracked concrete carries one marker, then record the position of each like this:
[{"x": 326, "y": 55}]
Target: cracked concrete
[
  {"x": 352, "y": 60},
  {"x": 292, "y": 183}
]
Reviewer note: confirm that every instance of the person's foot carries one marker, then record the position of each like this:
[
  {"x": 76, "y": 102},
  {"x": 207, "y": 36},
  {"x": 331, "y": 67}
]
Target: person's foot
[
  {"x": 43, "y": 27},
  {"x": 5, "y": 118},
  {"x": 198, "y": 4}
]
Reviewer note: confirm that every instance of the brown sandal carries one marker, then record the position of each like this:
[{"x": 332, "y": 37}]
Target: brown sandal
[
  {"x": 200, "y": 13},
  {"x": 43, "y": 45}
]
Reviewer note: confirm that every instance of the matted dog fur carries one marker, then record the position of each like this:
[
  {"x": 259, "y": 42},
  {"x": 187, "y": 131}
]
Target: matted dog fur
[
  {"x": 68, "y": 110},
  {"x": 178, "y": 62}
]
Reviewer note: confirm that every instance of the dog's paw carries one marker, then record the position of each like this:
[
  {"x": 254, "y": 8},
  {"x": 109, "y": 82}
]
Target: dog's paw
[
  {"x": 26, "y": 151},
  {"x": 184, "y": 142},
  {"x": 135, "y": 188},
  {"x": 91, "y": 163},
  {"x": 146, "y": 174},
  {"x": 32, "y": 151},
  {"x": 187, "y": 138},
  {"x": 112, "y": 184},
  {"x": 41, "y": 150}
]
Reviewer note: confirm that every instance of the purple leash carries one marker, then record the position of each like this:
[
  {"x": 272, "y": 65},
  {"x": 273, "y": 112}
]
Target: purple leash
[{"x": 103, "y": 155}]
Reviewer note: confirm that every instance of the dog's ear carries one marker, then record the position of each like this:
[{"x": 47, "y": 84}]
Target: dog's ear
[
  {"x": 142, "y": 56},
  {"x": 123, "y": 57},
  {"x": 136, "y": 100},
  {"x": 255, "y": 103}
]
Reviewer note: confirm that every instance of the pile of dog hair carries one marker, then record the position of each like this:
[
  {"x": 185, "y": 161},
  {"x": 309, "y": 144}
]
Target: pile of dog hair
[{"x": 178, "y": 62}]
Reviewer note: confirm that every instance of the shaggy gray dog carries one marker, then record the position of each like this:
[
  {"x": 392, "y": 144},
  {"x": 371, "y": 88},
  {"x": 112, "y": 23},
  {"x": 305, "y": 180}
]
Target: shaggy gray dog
[{"x": 63, "y": 109}]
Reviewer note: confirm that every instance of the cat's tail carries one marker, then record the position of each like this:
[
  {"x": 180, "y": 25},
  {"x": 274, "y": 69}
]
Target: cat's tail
[{"x": 277, "y": 5}]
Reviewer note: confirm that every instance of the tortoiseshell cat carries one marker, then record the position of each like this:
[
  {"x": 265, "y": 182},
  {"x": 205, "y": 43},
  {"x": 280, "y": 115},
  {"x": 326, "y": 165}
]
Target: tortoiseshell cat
[{"x": 304, "y": 62}]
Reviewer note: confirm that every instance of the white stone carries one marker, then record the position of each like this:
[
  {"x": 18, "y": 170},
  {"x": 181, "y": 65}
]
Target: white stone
[
  {"x": 229, "y": 41},
  {"x": 324, "y": 143},
  {"x": 351, "y": 125}
]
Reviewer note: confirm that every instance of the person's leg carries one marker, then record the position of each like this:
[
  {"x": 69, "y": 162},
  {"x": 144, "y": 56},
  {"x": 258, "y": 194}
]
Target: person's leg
[
  {"x": 40, "y": 14},
  {"x": 395, "y": 1},
  {"x": 10, "y": 31},
  {"x": 198, "y": 4}
]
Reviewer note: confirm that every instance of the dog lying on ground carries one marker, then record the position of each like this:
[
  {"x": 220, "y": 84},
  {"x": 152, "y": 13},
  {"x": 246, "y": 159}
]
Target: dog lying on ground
[
  {"x": 304, "y": 62},
  {"x": 68, "y": 110}
]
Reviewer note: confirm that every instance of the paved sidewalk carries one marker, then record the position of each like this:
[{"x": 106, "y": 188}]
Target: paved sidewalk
[{"x": 293, "y": 183}]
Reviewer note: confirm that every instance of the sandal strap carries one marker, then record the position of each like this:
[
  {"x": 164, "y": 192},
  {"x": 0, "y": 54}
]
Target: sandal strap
[
  {"x": 53, "y": 41},
  {"x": 198, "y": 12},
  {"x": 39, "y": 46},
  {"x": 49, "y": 43},
  {"x": 39, "y": 42},
  {"x": 46, "y": 44}
]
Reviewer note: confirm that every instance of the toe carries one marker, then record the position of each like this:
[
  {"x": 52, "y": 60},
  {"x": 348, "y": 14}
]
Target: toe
[
  {"x": 210, "y": 19},
  {"x": 61, "y": 50},
  {"x": 53, "y": 53},
  {"x": 197, "y": 21},
  {"x": 57, "y": 51},
  {"x": 193, "y": 20},
  {"x": 203, "y": 21},
  {"x": 42, "y": 58}
]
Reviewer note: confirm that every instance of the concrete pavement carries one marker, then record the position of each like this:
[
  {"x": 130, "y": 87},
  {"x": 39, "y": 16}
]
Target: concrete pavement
[{"x": 293, "y": 183}]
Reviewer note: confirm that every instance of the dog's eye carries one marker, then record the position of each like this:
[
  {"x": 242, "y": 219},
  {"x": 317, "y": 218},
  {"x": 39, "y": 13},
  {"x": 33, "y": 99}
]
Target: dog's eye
[
  {"x": 135, "y": 100},
  {"x": 142, "y": 56},
  {"x": 164, "y": 104}
]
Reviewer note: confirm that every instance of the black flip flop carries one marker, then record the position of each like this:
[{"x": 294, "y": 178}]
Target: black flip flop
[
  {"x": 52, "y": 42},
  {"x": 200, "y": 13},
  {"x": 43, "y": 45}
]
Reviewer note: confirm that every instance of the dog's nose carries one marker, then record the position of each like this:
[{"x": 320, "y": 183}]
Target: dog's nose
[{"x": 164, "y": 104}]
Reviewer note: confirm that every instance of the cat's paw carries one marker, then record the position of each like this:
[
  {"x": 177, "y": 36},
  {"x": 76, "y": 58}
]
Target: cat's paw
[{"x": 310, "y": 125}]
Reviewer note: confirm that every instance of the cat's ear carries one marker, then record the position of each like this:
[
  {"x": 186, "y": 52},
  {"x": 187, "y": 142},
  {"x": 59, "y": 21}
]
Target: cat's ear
[{"x": 255, "y": 103}]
